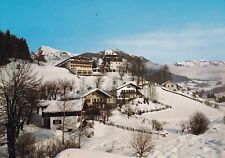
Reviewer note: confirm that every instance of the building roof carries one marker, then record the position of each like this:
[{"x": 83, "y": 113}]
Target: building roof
[
  {"x": 163, "y": 84},
  {"x": 54, "y": 106},
  {"x": 63, "y": 62},
  {"x": 167, "y": 82},
  {"x": 97, "y": 90},
  {"x": 76, "y": 59},
  {"x": 130, "y": 83}
]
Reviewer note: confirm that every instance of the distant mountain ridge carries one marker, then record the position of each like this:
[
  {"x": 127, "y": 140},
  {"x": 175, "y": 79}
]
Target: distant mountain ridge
[
  {"x": 200, "y": 69},
  {"x": 199, "y": 63},
  {"x": 120, "y": 53}
]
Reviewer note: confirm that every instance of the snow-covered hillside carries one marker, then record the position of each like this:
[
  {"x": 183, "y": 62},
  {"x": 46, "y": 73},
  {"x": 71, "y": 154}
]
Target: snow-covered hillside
[
  {"x": 72, "y": 153},
  {"x": 49, "y": 72},
  {"x": 54, "y": 56},
  {"x": 111, "y": 141},
  {"x": 114, "y": 140}
]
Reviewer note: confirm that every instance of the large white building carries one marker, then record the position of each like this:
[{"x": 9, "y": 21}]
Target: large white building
[
  {"x": 113, "y": 61},
  {"x": 78, "y": 65}
]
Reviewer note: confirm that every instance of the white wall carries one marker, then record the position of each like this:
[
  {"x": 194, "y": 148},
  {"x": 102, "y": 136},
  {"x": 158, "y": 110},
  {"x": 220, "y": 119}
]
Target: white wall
[
  {"x": 171, "y": 86},
  {"x": 70, "y": 121},
  {"x": 115, "y": 65},
  {"x": 125, "y": 88}
]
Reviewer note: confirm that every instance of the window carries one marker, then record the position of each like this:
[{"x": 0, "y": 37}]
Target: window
[
  {"x": 94, "y": 100},
  {"x": 56, "y": 122},
  {"x": 88, "y": 100}
]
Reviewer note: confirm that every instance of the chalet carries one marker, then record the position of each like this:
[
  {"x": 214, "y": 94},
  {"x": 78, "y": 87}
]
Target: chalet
[
  {"x": 78, "y": 65},
  {"x": 111, "y": 62},
  {"x": 113, "y": 99},
  {"x": 128, "y": 91},
  {"x": 52, "y": 116},
  {"x": 96, "y": 98},
  {"x": 171, "y": 86}
]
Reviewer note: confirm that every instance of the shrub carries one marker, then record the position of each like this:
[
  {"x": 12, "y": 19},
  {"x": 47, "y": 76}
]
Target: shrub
[
  {"x": 221, "y": 99},
  {"x": 184, "y": 126},
  {"x": 51, "y": 149},
  {"x": 157, "y": 125},
  {"x": 207, "y": 102},
  {"x": 216, "y": 106},
  {"x": 25, "y": 146},
  {"x": 154, "y": 101},
  {"x": 198, "y": 123},
  {"x": 141, "y": 143}
]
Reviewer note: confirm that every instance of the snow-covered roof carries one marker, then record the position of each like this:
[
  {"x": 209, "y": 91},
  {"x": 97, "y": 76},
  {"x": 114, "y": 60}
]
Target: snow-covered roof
[
  {"x": 163, "y": 84},
  {"x": 62, "y": 62},
  {"x": 110, "y": 52},
  {"x": 58, "y": 106},
  {"x": 94, "y": 90},
  {"x": 129, "y": 83},
  {"x": 73, "y": 95},
  {"x": 82, "y": 153},
  {"x": 167, "y": 82}
]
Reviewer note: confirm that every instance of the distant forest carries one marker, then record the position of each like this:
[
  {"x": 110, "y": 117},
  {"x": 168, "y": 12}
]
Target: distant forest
[{"x": 12, "y": 47}]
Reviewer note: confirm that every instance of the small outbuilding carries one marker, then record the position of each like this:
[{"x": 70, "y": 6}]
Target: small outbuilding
[
  {"x": 171, "y": 86},
  {"x": 52, "y": 116}
]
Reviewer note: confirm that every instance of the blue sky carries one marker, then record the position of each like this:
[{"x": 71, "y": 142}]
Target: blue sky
[{"x": 164, "y": 31}]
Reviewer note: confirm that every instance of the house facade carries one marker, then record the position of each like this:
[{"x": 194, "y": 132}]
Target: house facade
[
  {"x": 96, "y": 98},
  {"x": 128, "y": 91},
  {"x": 78, "y": 65},
  {"x": 111, "y": 62},
  {"x": 171, "y": 86},
  {"x": 52, "y": 116}
]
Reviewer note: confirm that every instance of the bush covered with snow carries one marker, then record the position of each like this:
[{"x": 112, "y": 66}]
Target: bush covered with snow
[
  {"x": 157, "y": 125},
  {"x": 52, "y": 148},
  {"x": 198, "y": 123}
]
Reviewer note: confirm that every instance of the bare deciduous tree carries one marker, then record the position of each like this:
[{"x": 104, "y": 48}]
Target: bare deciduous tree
[
  {"x": 122, "y": 71},
  {"x": 17, "y": 84},
  {"x": 137, "y": 68},
  {"x": 66, "y": 122},
  {"x": 2, "y": 120},
  {"x": 152, "y": 92},
  {"x": 65, "y": 86},
  {"x": 141, "y": 143},
  {"x": 114, "y": 83},
  {"x": 98, "y": 81}
]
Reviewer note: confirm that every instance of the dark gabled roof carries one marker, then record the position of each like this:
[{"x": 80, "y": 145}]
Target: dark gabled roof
[
  {"x": 97, "y": 90},
  {"x": 57, "y": 114},
  {"x": 163, "y": 84},
  {"x": 63, "y": 62},
  {"x": 130, "y": 83},
  {"x": 74, "y": 58}
]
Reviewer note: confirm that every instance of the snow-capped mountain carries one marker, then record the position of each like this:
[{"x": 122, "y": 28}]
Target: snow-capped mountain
[
  {"x": 199, "y": 63},
  {"x": 52, "y": 55}
]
